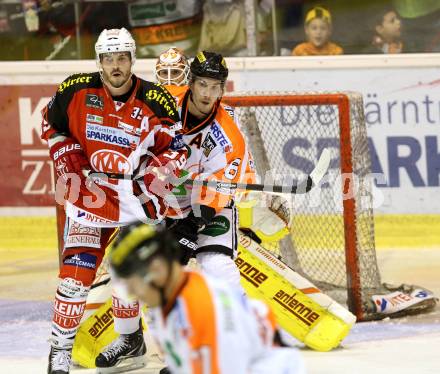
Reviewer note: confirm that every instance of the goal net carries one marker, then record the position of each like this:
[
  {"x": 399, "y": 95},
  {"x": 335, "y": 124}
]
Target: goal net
[{"x": 332, "y": 241}]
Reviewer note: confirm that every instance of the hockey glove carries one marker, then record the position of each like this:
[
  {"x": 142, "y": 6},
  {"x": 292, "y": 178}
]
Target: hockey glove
[
  {"x": 68, "y": 157},
  {"x": 186, "y": 230}
]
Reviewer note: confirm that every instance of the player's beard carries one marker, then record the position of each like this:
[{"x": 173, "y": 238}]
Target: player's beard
[{"x": 116, "y": 78}]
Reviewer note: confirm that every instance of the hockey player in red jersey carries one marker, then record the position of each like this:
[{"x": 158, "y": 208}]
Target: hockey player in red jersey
[{"x": 111, "y": 122}]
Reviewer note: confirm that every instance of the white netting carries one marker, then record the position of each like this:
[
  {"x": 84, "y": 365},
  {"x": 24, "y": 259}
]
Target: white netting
[{"x": 287, "y": 133}]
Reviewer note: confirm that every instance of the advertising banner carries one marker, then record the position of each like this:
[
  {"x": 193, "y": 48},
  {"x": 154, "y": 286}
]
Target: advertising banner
[
  {"x": 402, "y": 112},
  {"x": 27, "y": 173}
]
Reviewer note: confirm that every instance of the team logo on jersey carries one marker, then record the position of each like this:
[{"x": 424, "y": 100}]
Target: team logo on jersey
[
  {"x": 164, "y": 99},
  {"x": 83, "y": 215},
  {"x": 111, "y": 135},
  {"x": 208, "y": 145},
  {"x": 83, "y": 260},
  {"x": 109, "y": 161},
  {"x": 94, "y": 118},
  {"x": 221, "y": 138},
  {"x": 94, "y": 101},
  {"x": 72, "y": 81},
  {"x": 177, "y": 142},
  {"x": 129, "y": 129}
]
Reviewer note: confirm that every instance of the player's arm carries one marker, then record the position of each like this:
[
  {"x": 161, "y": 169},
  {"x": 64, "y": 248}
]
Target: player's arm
[
  {"x": 64, "y": 150},
  {"x": 166, "y": 157},
  {"x": 55, "y": 120}
]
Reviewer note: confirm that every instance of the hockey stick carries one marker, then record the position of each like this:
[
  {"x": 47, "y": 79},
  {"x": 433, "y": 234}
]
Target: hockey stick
[{"x": 304, "y": 186}]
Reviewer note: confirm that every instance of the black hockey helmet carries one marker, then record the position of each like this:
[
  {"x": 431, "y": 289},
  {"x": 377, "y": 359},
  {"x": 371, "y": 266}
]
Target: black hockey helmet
[
  {"x": 209, "y": 65},
  {"x": 137, "y": 244}
]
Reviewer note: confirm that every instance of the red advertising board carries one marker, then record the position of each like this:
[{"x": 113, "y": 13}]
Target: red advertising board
[{"x": 27, "y": 177}]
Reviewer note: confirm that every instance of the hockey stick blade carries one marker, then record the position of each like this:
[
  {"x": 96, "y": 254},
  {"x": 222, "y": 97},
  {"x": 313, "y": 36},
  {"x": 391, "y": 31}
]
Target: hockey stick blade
[
  {"x": 321, "y": 167},
  {"x": 302, "y": 187}
]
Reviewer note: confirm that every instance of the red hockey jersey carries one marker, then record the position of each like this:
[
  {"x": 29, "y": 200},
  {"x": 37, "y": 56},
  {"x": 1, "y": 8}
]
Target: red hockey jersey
[{"x": 116, "y": 137}]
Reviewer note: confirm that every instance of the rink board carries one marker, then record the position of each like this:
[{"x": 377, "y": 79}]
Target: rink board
[{"x": 391, "y": 232}]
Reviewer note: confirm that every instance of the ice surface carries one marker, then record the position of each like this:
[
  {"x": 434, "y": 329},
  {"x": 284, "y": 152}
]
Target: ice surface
[{"x": 406, "y": 345}]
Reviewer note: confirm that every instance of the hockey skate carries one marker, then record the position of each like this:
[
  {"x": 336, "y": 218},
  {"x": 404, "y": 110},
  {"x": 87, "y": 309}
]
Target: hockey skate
[
  {"x": 126, "y": 353},
  {"x": 59, "y": 361}
]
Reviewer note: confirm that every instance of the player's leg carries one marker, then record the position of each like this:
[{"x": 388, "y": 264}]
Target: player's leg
[
  {"x": 128, "y": 351},
  {"x": 82, "y": 255},
  {"x": 217, "y": 247}
]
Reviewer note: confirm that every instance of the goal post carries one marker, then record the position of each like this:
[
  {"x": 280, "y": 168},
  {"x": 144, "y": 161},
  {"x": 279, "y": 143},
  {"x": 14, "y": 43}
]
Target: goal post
[{"x": 331, "y": 244}]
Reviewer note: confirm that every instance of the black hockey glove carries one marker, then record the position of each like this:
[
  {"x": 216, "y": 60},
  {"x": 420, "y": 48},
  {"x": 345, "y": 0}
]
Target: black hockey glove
[{"x": 186, "y": 230}]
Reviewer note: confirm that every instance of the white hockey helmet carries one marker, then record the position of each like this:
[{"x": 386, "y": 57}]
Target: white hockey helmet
[
  {"x": 115, "y": 40},
  {"x": 172, "y": 67}
]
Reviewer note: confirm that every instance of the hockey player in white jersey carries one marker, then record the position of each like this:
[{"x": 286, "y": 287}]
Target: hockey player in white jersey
[
  {"x": 266, "y": 217},
  {"x": 203, "y": 324}
]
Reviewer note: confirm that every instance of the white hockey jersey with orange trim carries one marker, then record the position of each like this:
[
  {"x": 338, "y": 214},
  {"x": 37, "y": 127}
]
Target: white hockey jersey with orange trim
[
  {"x": 217, "y": 151},
  {"x": 210, "y": 328}
]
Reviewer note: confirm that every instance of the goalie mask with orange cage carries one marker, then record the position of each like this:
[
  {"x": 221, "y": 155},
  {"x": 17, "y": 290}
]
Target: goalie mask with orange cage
[{"x": 172, "y": 67}]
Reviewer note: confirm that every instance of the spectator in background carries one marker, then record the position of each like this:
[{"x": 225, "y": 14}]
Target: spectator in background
[
  {"x": 422, "y": 24},
  {"x": 224, "y": 27},
  {"x": 318, "y": 30},
  {"x": 20, "y": 27},
  {"x": 158, "y": 24},
  {"x": 386, "y": 27}
]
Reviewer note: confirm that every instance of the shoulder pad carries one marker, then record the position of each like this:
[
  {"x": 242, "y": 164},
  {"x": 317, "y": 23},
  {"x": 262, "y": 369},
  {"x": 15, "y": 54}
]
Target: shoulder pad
[
  {"x": 176, "y": 90},
  {"x": 159, "y": 100},
  {"x": 77, "y": 82}
]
